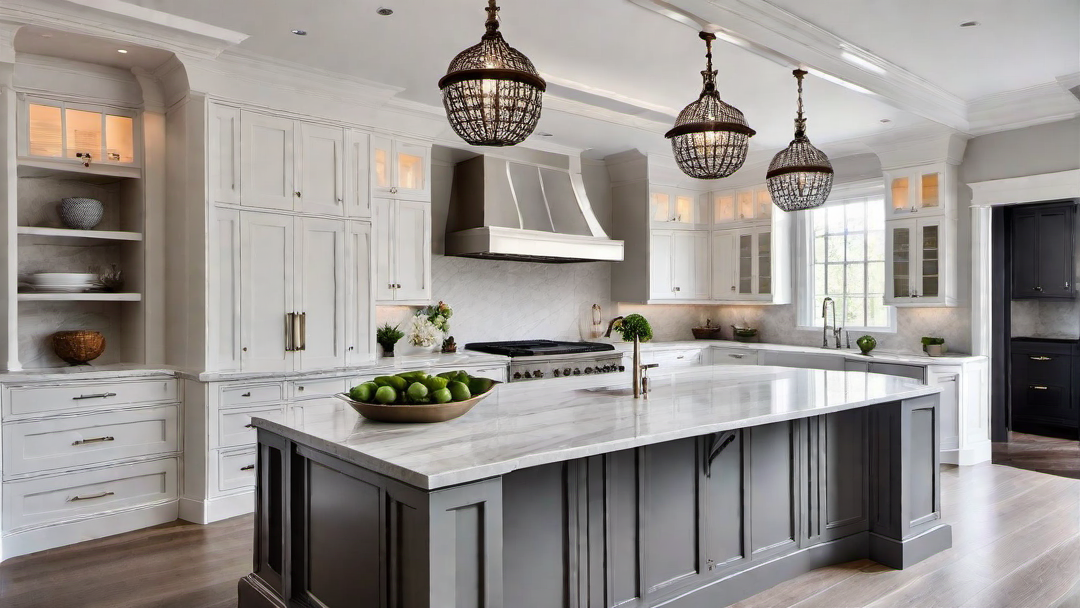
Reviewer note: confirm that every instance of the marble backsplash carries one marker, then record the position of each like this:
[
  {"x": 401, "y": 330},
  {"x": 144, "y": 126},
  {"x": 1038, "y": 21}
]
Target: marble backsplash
[
  {"x": 38, "y": 321},
  {"x": 1038, "y": 319},
  {"x": 500, "y": 300}
]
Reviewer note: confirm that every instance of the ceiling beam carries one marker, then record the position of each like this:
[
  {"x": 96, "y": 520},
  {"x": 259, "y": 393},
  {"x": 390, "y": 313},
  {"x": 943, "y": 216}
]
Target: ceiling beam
[{"x": 788, "y": 40}]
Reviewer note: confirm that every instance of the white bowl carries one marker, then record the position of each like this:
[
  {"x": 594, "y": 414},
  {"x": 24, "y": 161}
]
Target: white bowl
[{"x": 57, "y": 279}]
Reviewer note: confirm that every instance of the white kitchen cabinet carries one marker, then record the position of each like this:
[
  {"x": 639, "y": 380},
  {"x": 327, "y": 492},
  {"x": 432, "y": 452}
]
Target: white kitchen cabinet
[
  {"x": 292, "y": 292},
  {"x": 825, "y": 360},
  {"x": 679, "y": 265},
  {"x": 224, "y": 153},
  {"x": 402, "y": 251},
  {"x": 750, "y": 265},
  {"x": 223, "y": 320},
  {"x": 400, "y": 168},
  {"x": 731, "y": 207},
  {"x": 320, "y": 169},
  {"x": 724, "y": 283},
  {"x": 921, "y": 263},
  {"x": 267, "y": 149},
  {"x": 360, "y": 310},
  {"x": 291, "y": 165},
  {"x": 923, "y": 190},
  {"x": 677, "y": 208},
  {"x": 357, "y": 163}
]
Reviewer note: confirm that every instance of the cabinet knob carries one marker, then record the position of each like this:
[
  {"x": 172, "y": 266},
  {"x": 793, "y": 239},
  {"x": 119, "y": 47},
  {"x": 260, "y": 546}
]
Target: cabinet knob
[
  {"x": 297, "y": 193},
  {"x": 1038, "y": 288},
  {"x": 393, "y": 189},
  {"x": 244, "y": 349}
]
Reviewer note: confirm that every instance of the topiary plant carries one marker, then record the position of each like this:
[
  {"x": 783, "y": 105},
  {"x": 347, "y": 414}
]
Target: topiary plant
[{"x": 634, "y": 326}]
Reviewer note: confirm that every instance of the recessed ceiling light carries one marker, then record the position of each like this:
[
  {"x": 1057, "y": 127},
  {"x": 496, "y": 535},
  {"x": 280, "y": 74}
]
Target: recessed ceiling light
[
  {"x": 969, "y": 24},
  {"x": 385, "y": 12},
  {"x": 885, "y": 120},
  {"x": 122, "y": 51},
  {"x": 300, "y": 32}
]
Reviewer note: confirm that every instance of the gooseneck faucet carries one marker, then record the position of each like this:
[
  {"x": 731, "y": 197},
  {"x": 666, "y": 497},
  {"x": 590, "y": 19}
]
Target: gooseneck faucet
[
  {"x": 825, "y": 329},
  {"x": 607, "y": 334}
]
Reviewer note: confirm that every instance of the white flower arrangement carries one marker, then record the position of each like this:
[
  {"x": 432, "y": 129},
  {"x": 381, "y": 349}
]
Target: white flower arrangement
[{"x": 422, "y": 332}]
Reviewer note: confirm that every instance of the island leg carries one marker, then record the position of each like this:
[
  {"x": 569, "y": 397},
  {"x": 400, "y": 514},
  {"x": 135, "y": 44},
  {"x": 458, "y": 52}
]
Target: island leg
[{"x": 905, "y": 485}]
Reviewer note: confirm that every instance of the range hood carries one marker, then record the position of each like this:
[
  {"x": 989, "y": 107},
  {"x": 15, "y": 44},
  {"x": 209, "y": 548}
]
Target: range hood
[{"x": 508, "y": 210}]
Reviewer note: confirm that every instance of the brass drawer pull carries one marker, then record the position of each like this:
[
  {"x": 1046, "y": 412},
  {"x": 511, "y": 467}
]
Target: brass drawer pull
[
  {"x": 91, "y": 496},
  {"x": 247, "y": 394},
  {"x": 97, "y": 396},
  {"x": 736, "y": 356},
  {"x": 94, "y": 440},
  {"x": 1040, "y": 358},
  {"x": 247, "y": 468},
  {"x": 1040, "y": 388}
]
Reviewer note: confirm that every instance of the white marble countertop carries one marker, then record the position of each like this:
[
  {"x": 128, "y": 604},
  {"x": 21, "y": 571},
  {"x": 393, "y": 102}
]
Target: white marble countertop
[
  {"x": 390, "y": 364},
  {"x": 533, "y": 423},
  {"x": 86, "y": 372},
  {"x": 848, "y": 353}
]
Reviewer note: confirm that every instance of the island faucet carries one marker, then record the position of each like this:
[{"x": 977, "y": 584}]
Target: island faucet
[
  {"x": 607, "y": 334},
  {"x": 825, "y": 329}
]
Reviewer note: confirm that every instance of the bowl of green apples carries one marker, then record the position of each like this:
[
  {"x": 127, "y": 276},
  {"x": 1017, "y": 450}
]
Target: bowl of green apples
[{"x": 417, "y": 396}]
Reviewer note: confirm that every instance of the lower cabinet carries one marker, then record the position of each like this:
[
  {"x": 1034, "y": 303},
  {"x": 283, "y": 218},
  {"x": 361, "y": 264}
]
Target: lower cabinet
[{"x": 1044, "y": 387}]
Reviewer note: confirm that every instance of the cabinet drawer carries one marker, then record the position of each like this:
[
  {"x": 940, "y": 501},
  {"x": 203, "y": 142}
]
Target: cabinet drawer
[
  {"x": 1046, "y": 402},
  {"x": 44, "y": 500},
  {"x": 915, "y": 372},
  {"x": 495, "y": 371},
  {"x": 321, "y": 410},
  {"x": 89, "y": 439},
  {"x": 233, "y": 424},
  {"x": 1043, "y": 368},
  {"x": 39, "y": 399},
  {"x": 236, "y": 469},
  {"x": 310, "y": 389},
  {"x": 243, "y": 394},
  {"x": 672, "y": 358},
  {"x": 727, "y": 356}
]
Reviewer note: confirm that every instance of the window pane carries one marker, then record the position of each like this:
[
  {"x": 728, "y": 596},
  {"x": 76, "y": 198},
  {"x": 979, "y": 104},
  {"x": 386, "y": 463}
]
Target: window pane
[
  {"x": 834, "y": 278},
  {"x": 854, "y": 313},
  {"x": 875, "y": 277},
  {"x": 856, "y": 246},
  {"x": 875, "y": 245},
  {"x": 834, "y": 248},
  {"x": 856, "y": 281},
  {"x": 819, "y": 249},
  {"x": 819, "y": 278}
]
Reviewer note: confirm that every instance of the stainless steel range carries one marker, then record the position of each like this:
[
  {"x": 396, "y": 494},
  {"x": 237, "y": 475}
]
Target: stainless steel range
[{"x": 536, "y": 359}]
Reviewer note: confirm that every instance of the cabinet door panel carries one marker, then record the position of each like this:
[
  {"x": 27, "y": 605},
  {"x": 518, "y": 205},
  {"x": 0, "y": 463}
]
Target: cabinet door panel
[
  {"x": 685, "y": 265},
  {"x": 224, "y": 152},
  {"x": 772, "y": 491},
  {"x": 724, "y": 515},
  {"x": 1055, "y": 252},
  {"x": 930, "y": 245},
  {"x": 357, "y": 163},
  {"x": 723, "y": 266},
  {"x": 764, "y": 278},
  {"x": 266, "y": 290},
  {"x": 321, "y": 165},
  {"x": 267, "y": 159},
  {"x": 671, "y": 536},
  {"x": 320, "y": 293},
  {"x": 701, "y": 287},
  {"x": 412, "y": 251},
  {"x": 623, "y": 518},
  {"x": 1025, "y": 271},
  {"x": 901, "y": 252},
  {"x": 846, "y": 498},
  {"x": 745, "y": 264},
  {"x": 224, "y": 323},
  {"x": 382, "y": 213},
  {"x": 411, "y": 166},
  {"x": 661, "y": 260},
  {"x": 359, "y": 343}
]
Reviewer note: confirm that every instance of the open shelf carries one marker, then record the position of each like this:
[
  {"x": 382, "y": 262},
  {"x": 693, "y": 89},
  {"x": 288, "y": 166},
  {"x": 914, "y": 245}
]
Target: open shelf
[
  {"x": 95, "y": 173},
  {"x": 80, "y": 297},
  {"x": 77, "y": 237}
]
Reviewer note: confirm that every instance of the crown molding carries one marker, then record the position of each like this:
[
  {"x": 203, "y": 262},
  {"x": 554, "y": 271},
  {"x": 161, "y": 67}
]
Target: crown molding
[
  {"x": 123, "y": 21},
  {"x": 919, "y": 146},
  {"x": 1040, "y": 104},
  {"x": 779, "y": 36},
  {"x": 1027, "y": 189}
]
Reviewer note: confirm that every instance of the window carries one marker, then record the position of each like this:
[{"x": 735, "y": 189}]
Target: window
[{"x": 845, "y": 243}]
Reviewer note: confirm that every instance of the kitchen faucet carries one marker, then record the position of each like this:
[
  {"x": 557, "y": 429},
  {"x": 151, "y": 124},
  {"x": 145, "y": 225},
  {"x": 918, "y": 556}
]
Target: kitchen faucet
[
  {"x": 825, "y": 329},
  {"x": 607, "y": 334},
  {"x": 639, "y": 371}
]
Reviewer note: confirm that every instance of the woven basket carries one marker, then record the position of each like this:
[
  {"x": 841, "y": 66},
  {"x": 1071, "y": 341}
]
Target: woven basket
[
  {"x": 79, "y": 346},
  {"x": 707, "y": 333}
]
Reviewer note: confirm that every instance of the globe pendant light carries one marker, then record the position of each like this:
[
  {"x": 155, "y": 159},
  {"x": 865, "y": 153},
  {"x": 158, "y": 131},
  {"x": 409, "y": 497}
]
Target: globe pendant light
[
  {"x": 492, "y": 93},
  {"x": 800, "y": 176},
  {"x": 710, "y": 137}
]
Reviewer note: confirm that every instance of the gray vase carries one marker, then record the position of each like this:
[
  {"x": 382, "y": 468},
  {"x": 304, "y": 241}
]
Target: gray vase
[{"x": 81, "y": 213}]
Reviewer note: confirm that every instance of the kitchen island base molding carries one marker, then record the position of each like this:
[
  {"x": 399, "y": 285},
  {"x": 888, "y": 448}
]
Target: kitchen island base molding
[{"x": 709, "y": 519}]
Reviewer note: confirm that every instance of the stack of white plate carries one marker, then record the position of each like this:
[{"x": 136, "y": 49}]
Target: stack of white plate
[{"x": 72, "y": 282}]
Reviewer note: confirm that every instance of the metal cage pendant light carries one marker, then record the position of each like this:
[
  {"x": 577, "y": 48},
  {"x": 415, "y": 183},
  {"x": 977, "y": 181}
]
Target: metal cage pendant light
[
  {"x": 710, "y": 137},
  {"x": 800, "y": 176},
  {"x": 491, "y": 92}
]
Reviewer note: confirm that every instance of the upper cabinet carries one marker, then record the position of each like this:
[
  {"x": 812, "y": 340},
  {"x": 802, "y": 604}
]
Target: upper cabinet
[
  {"x": 321, "y": 164},
  {"x": 750, "y": 265},
  {"x": 925, "y": 190},
  {"x": 77, "y": 133},
  {"x": 1043, "y": 251},
  {"x": 679, "y": 265},
  {"x": 675, "y": 208},
  {"x": 402, "y": 245},
  {"x": 741, "y": 206},
  {"x": 400, "y": 168},
  {"x": 357, "y": 189}
]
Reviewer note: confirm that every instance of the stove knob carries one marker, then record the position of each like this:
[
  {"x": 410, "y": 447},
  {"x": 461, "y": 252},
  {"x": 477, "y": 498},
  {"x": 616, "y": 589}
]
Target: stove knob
[
  {"x": 588, "y": 370},
  {"x": 538, "y": 374},
  {"x": 566, "y": 372},
  {"x": 556, "y": 372},
  {"x": 607, "y": 368},
  {"x": 517, "y": 375},
  {"x": 528, "y": 375},
  {"x": 577, "y": 371}
]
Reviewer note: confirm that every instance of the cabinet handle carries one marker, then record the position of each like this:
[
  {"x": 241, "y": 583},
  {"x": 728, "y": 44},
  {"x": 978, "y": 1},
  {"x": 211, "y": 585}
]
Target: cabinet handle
[
  {"x": 290, "y": 332},
  {"x": 297, "y": 193},
  {"x": 1037, "y": 288},
  {"x": 1040, "y": 358},
  {"x": 736, "y": 356},
  {"x": 303, "y": 333},
  {"x": 393, "y": 189},
  {"x": 94, "y": 440},
  {"x": 247, "y": 467},
  {"x": 1066, "y": 284},
  {"x": 249, "y": 425},
  {"x": 678, "y": 289},
  {"x": 91, "y": 496},
  {"x": 95, "y": 396},
  {"x": 247, "y": 394},
  {"x": 1040, "y": 388}
]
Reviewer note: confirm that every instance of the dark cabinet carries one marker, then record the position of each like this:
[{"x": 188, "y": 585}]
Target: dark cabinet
[
  {"x": 1045, "y": 393},
  {"x": 1043, "y": 250}
]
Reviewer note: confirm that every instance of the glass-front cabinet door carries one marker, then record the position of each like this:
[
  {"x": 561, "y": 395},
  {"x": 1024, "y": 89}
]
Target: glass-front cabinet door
[
  {"x": 400, "y": 168},
  {"x": 929, "y": 260},
  {"x": 764, "y": 262},
  {"x": 85, "y": 133},
  {"x": 675, "y": 208},
  {"x": 899, "y": 238},
  {"x": 917, "y": 254},
  {"x": 723, "y": 207},
  {"x": 918, "y": 190},
  {"x": 745, "y": 269}
]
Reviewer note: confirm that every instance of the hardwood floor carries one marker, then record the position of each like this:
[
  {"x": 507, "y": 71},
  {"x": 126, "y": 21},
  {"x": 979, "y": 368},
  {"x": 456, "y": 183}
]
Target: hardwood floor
[
  {"x": 1043, "y": 454},
  {"x": 1016, "y": 543}
]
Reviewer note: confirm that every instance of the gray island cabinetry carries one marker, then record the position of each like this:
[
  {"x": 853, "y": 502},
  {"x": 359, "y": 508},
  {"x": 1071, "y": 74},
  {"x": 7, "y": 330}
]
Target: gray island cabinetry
[{"x": 568, "y": 492}]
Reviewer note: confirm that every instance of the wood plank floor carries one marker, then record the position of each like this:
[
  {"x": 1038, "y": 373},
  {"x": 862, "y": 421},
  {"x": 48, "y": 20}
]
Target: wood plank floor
[
  {"x": 1016, "y": 543},
  {"x": 1043, "y": 454}
]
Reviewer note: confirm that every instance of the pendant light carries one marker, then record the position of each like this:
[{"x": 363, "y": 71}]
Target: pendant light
[
  {"x": 710, "y": 137},
  {"x": 492, "y": 93},
  {"x": 800, "y": 176}
]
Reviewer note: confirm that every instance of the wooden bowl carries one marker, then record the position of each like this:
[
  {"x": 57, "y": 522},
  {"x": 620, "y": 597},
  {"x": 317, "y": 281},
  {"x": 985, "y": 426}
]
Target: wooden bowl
[
  {"x": 414, "y": 413},
  {"x": 706, "y": 333},
  {"x": 78, "y": 347}
]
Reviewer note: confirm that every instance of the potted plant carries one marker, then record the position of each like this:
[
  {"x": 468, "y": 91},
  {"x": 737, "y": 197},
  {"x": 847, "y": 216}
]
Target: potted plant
[
  {"x": 935, "y": 347},
  {"x": 635, "y": 328},
  {"x": 387, "y": 336}
]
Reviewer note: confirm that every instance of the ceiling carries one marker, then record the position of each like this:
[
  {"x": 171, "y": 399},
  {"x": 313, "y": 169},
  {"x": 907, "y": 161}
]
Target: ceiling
[{"x": 597, "y": 50}]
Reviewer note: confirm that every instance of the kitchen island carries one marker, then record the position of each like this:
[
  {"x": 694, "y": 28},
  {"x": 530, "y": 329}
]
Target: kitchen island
[{"x": 569, "y": 492}]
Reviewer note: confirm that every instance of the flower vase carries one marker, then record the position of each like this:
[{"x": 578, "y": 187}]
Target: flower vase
[{"x": 387, "y": 351}]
